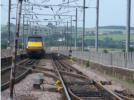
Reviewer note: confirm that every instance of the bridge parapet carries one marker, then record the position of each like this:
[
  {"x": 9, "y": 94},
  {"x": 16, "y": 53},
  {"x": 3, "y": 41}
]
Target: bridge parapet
[
  {"x": 116, "y": 59},
  {"x": 119, "y": 65}
]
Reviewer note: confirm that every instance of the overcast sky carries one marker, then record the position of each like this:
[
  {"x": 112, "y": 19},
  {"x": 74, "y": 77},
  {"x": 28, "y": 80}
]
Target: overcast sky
[{"x": 112, "y": 12}]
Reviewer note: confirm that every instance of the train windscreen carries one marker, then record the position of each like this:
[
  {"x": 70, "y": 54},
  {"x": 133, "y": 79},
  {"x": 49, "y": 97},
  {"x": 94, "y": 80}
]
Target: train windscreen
[{"x": 35, "y": 39}]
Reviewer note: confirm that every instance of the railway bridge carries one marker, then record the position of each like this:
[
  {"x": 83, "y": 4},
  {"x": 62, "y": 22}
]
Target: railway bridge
[{"x": 67, "y": 50}]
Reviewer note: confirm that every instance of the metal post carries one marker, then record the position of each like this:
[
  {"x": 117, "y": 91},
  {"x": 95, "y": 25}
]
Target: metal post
[
  {"x": 57, "y": 30},
  {"x": 83, "y": 35},
  {"x": 71, "y": 33},
  {"x": 14, "y": 54},
  {"x": 97, "y": 25},
  {"x": 30, "y": 30},
  {"x": 27, "y": 33},
  {"x": 67, "y": 36},
  {"x": 52, "y": 30},
  {"x": 64, "y": 36},
  {"x": 49, "y": 38},
  {"x": 128, "y": 25},
  {"x": 56, "y": 33},
  {"x": 32, "y": 26},
  {"x": 23, "y": 32},
  {"x": 35, "y": 29},
  {"x": 9, "y": 14},
  {"x": 76, "y": 30}
]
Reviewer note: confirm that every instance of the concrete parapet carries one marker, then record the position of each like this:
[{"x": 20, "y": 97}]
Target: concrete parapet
[{"x": 118, "y": 64}]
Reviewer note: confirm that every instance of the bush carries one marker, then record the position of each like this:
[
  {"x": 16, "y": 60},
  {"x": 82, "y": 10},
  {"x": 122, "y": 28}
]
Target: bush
[
  {"x": 73, "y": 58},
  {"x": 3, "y": 46},
  {"x": 87, "y": 63},
  {"x": 123, "y": 50},
  {"x": 105, "y": 51},
  {"x": 131, "y": 49}
]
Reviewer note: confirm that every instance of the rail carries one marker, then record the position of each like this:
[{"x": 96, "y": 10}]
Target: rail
[
  {"x": 101, "y": 93},
  {"x": 61, "y": 79},
  {"x": 22, "y": 65}
]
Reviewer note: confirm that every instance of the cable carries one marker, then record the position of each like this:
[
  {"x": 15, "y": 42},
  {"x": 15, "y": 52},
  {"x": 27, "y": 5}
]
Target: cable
[{"x": 45, "y": 1}]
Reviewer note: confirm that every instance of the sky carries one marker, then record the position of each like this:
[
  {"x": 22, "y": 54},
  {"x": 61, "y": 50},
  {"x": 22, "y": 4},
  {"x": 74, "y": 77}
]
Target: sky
[{"x": 112, "y": 12}]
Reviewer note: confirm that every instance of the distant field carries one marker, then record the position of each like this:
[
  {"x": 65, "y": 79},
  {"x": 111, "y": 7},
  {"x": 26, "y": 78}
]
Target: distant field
[{"x": 114, "y": 37}]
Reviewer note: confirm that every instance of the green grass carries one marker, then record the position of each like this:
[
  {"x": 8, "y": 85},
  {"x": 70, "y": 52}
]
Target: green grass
[{"x": 114, "y": 37}]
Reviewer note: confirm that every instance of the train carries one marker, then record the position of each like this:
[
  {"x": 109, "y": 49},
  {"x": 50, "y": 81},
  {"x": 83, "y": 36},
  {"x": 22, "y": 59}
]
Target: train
[{"x": 35, "y": 46}]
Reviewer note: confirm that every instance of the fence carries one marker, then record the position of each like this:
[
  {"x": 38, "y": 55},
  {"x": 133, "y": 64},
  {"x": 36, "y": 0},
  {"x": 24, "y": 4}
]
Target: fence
[{"x": 116, "y": 59}]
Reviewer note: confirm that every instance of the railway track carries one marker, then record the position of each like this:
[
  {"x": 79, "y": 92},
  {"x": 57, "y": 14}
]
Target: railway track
[
  {"x": 75, "y": 84},
  {"x": 22, "y": 70},
  {"x": 7, "y": 68},
  {"x": 78, "y": 86}
]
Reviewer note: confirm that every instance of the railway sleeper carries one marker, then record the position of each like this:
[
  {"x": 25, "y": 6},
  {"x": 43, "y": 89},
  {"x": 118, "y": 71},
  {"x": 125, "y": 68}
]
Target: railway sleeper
[
  {"x": 80, "y": 83},
  {"x": 90, "y": 93},
  {"x": 17, "y": 79}
]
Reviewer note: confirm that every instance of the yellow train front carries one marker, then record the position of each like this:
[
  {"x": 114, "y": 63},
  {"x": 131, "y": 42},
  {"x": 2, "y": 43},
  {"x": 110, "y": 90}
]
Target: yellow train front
[{"x": 35, "y": 46}]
